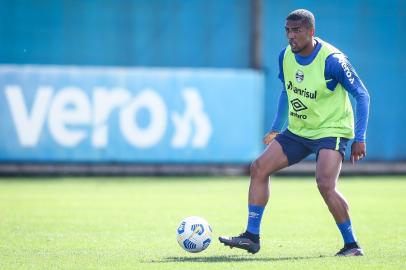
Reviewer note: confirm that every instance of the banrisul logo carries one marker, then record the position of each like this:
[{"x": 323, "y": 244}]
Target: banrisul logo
[
  {"x": 299, "y": 76},
  {"x": 302, "y": 92}
]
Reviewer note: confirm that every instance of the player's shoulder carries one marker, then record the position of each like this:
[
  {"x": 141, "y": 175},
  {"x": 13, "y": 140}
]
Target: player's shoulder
[
  {"x": 337, "y": 58},
  {"x": 333, "y": 54},
  {"x": 280, "y": 58},
  {"x": 329, "y": 47},
  {"x": 282, "y": 53}
]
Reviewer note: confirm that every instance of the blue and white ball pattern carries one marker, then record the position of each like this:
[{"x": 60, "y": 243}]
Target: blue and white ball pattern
[{"x": 194, "y": 234}]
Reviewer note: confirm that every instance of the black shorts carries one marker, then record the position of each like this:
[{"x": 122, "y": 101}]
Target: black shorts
[{"x": 296, "y": 148}]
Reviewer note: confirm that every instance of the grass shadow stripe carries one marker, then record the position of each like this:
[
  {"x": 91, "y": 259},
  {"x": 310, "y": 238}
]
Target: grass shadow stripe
[{"x": 232, "y": 258}]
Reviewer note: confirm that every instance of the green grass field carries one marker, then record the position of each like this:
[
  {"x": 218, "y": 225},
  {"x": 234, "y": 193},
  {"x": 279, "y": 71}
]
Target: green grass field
[{"x": 130, "y": 223}]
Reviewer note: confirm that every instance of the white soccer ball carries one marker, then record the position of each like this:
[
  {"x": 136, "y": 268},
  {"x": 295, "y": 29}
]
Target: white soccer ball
[{"x": 194, "y": 234}]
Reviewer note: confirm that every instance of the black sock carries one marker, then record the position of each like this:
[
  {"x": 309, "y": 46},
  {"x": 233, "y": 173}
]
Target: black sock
[{"x": 253, "y": 237}]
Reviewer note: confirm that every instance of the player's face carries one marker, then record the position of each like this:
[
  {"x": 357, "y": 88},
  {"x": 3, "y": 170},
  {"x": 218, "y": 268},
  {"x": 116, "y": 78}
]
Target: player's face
[{"x": 299, "y": 36}]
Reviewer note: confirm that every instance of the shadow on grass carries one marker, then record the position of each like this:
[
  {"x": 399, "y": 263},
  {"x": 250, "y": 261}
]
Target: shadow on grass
[{"x": 231, "y": 258}]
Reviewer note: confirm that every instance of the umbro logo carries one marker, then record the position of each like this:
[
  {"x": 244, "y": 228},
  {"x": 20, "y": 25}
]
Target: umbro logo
[
  {"x": 298, "y": 105},
  {"x": 253, "y": 215}
]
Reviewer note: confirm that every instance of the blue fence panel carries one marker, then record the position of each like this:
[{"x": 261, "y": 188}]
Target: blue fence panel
[
  {"x": 71, "y": 114},
  {"x": 158, "y": 33}
]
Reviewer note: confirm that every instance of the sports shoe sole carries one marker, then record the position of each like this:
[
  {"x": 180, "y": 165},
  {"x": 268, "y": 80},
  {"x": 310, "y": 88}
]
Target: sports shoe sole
[
  {"x": 250, "y": 248},
  {"x": 352, "y": 252}
]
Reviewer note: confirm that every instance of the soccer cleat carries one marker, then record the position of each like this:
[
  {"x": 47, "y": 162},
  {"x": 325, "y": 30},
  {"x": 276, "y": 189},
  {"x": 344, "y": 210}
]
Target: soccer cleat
[
  {"x": 350, "y": 250},
  {"x": 241, "y": 241}
]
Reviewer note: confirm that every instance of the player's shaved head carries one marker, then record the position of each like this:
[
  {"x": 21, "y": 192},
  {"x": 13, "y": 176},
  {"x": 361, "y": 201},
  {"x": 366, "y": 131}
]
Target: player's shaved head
[{"x": 303, "y": 15}]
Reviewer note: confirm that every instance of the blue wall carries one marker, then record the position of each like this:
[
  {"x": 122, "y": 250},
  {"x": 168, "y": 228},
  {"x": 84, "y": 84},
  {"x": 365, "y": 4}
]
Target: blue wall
[
  {"x": 165, "y": 33},
  {"x": 216, "y": 34}
]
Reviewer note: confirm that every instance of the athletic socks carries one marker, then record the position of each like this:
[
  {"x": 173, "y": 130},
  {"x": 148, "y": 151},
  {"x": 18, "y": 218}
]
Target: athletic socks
[
  {"x": 254, "y": 218},
  {"x": 254, "y": 223},
  {"x": 347, "y": 232}
]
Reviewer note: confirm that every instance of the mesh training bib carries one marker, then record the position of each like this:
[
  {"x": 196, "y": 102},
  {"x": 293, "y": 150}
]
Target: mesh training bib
[{"x": 314, "y": 110}]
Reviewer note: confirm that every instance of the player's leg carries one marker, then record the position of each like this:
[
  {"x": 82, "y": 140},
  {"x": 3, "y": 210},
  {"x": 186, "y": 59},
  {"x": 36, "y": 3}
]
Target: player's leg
[
  {"x": 327, "y": 171},
  {"x": 283, "y": 151},
  {"x": 271, "y": 160}
]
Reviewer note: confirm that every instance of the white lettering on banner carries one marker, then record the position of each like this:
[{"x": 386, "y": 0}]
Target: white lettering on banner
[
  {"x": 70, "y": 106},
  {"x": 193, "y": 114},
  {"x": 104, "y": 102},
  {"x": 72, "y": 117},
  {"x": 151, "y": 135},
  {"x": 28, "y": 126}
]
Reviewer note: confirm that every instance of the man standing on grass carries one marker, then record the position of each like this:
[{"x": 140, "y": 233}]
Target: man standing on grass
[{"x": 317, "y": 78}]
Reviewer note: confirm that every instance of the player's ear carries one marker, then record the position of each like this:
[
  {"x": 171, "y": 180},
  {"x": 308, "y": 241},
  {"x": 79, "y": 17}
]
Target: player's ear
[
  {"x": 310, "y": 34},
  {"x": 312, "y": 31}
]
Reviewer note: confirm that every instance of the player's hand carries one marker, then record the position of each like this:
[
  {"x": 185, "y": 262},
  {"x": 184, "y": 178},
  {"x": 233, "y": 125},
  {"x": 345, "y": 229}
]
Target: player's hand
[
  {"x": 269, "y": 137},
  {"x": 358, "y": 151}
]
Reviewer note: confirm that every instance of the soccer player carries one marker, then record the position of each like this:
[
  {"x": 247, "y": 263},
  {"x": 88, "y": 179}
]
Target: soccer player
[{"x": 317, "y": 78}]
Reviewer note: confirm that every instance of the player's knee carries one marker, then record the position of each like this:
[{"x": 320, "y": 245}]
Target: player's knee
[
  {"x": 254, "y": 169},
  {"x": 325, "y": 187},
  {"x": 257, "y": 171}
]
